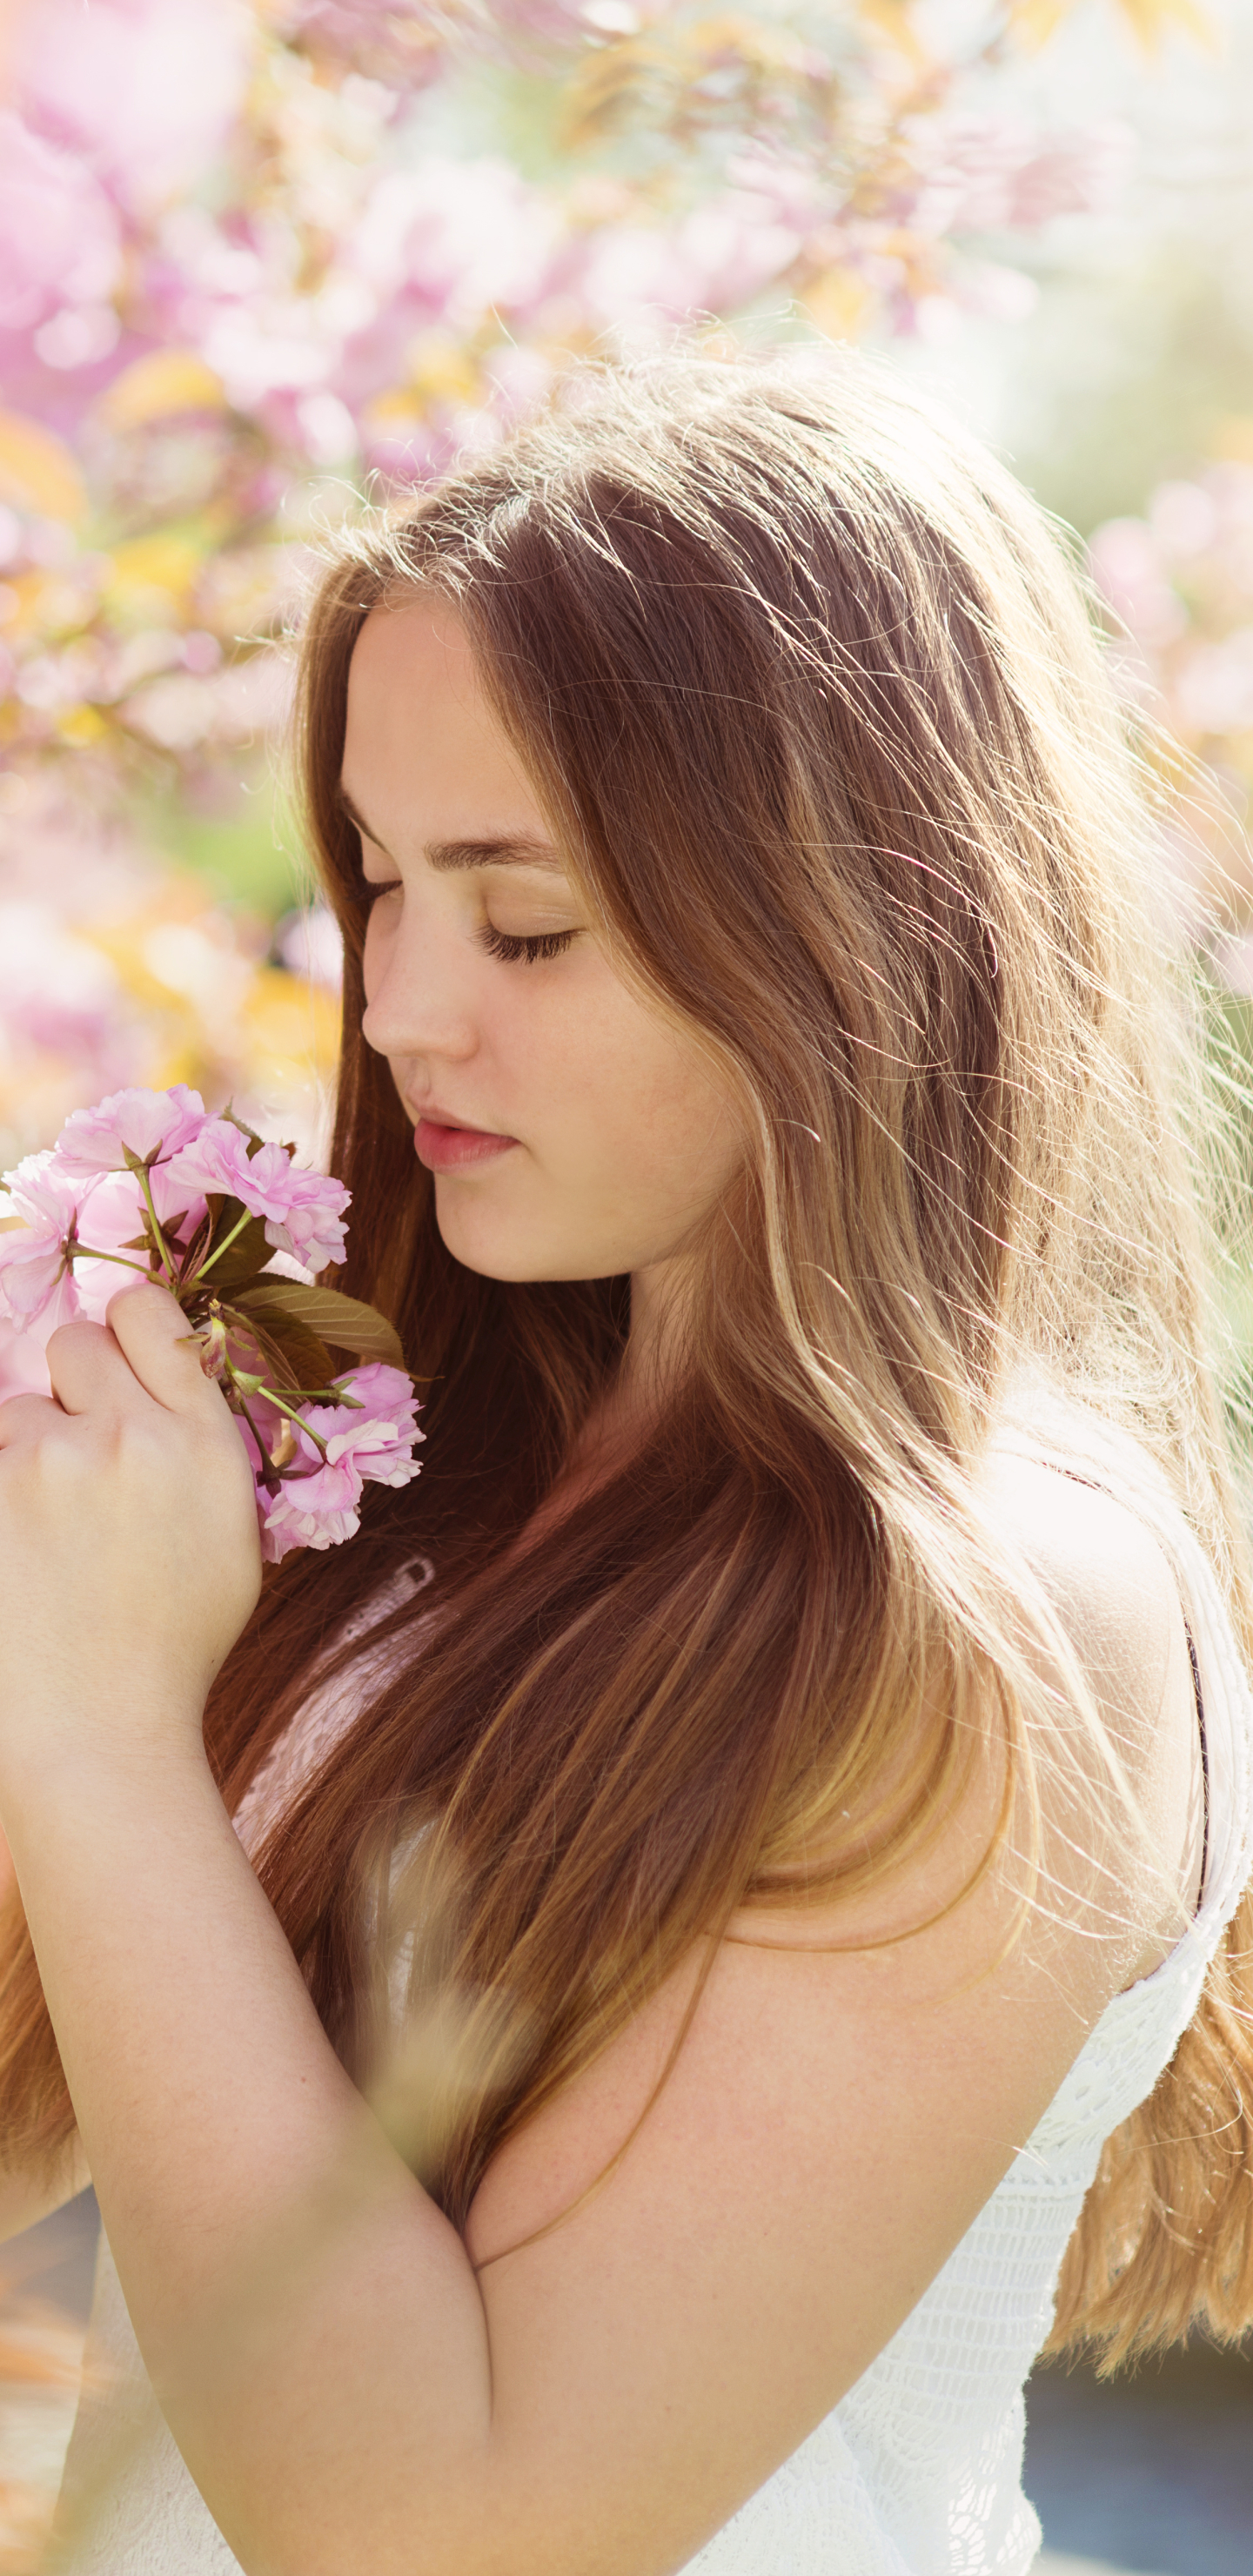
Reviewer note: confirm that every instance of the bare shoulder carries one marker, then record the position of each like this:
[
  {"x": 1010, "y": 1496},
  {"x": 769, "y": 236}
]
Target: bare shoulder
[
  {"x": 1116, "y": 1597},
  {"x": 1107, "y": 1577}
]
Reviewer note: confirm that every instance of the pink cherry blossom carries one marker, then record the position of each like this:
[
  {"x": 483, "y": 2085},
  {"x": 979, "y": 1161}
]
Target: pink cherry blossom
[
  {"x": 145, "y": 1122},
  {"x": 36, "y": 1284},
  {"x": 369, "y": 1445},
  {"x": 302, "y": 1209},
  {"x": 76, "y": 1195},
  {"x": 112, "y": 1214},
  {"x": 319, "y": 1511},
  {"x": 379, "y": 1437},
  {"x": 23, "y": 1367}
]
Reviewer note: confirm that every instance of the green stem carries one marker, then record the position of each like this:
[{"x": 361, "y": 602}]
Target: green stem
[
  {"x": 272, "y": 1396},
  {"x": 83, "y": 1252},
  {"x": 162, "y": 1246},
  {"x": 218, "y": 1250},
  {"x": 271, "y": 1477}
]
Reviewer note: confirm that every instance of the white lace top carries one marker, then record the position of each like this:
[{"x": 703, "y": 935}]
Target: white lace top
[{"x": 917, "y": 2471}]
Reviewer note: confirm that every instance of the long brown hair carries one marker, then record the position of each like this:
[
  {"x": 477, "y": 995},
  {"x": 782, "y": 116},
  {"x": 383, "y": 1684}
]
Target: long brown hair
[{"x": 810, "y": 695}]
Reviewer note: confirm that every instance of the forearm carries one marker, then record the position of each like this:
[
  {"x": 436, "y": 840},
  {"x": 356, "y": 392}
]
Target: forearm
[{"x": 309, "y": 2318}]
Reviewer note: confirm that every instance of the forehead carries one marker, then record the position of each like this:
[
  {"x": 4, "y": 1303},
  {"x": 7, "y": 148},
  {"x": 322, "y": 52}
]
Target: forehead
[{"x": 424, "y": 754}]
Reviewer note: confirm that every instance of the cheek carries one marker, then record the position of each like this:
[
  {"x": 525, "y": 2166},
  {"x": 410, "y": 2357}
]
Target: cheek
[{"x": 651, "y": 1108}]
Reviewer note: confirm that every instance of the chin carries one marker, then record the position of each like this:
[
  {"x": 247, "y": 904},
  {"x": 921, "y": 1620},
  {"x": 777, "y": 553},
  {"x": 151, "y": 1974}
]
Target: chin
[{"x": 496, "y": 1254}]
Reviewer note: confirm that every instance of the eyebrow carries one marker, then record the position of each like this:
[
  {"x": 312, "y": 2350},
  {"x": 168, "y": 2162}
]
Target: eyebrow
[{"x": 505, "y": 850}]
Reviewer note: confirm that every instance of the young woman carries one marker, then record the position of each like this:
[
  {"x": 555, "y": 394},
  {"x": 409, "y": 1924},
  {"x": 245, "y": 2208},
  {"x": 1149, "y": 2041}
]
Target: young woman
[{"x": 598, "y": 2012}]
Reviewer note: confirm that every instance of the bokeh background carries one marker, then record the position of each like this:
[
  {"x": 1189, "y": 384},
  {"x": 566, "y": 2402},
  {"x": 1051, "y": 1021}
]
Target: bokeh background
[{"x": 264, "y": 263}]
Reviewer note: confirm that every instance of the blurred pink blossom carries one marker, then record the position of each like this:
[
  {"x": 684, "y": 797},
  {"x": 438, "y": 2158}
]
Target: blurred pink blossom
[
  {"x": 1213, "y": 688},
  {"x": 1183, "y": 520},
  {"x": 1129, "y": 569},
  {"x": 246, "y": 272},
  {"x": 1001, "y": 174},
  {"x": 58, "y": 994},
  {"x": 312, "y": 944},
  {"x": 60, "y": 241},
  {"x": 142, "y": 91},
  {"x": 389, "y": 40}
]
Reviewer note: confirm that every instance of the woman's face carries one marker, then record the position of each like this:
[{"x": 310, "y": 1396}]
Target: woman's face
[{"x": 574, "y": 1130}]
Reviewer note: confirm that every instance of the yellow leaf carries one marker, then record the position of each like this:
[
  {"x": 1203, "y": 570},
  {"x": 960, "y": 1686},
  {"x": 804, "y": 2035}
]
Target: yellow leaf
[
  {"x": 165, "y": 381},
  {"x": 37, "y": 471}
]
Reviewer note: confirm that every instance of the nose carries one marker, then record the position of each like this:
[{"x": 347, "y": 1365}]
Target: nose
[{"x": 416, "y": 1004}]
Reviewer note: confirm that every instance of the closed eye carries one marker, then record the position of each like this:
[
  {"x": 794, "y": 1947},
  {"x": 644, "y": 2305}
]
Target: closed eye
[{"x": 542, "y": 944}]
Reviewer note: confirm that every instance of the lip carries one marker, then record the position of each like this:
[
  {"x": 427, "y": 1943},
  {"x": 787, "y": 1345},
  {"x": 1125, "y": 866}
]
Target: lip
[{"x": 445, "y": 1145}]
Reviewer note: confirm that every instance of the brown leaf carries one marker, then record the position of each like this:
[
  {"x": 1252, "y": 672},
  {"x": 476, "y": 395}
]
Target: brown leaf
[
  {"x": 298, "y": 1357},
  {"x": 345, "y": 1322}
]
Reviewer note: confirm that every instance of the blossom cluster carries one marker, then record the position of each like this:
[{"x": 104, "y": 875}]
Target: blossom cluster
[
  {"x": 1178, "y": 584},
  {"x": 246, "y": 263},
  {"x": 149, "y": 1184}
]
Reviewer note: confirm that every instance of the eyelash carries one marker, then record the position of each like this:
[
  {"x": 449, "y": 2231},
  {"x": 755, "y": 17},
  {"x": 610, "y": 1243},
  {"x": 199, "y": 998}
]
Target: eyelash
[
  {"x": 544, "y": 944},
  {"x": 511, "y": 950}
]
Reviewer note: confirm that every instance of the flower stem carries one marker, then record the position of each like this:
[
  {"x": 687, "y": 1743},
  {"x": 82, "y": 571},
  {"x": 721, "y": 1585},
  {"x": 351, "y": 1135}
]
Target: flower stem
[
  {"x": 162, "y": 1246},
  {"x": 218, "y": 1250},
  {"x": 83, "y": 1252},
  {"x": 269, "y": 1474},
  {"x": 272, "y": 1396}
]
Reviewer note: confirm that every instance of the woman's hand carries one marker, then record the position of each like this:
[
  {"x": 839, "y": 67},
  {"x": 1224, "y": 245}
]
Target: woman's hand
[{"x": 129, "y": 1554}]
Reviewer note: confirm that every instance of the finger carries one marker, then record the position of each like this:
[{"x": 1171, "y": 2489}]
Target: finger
[
  {"x": 24, "y": 1417},
  {"x": 156, "y": 1339},
  {"x": 86, "y": 1368}
]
